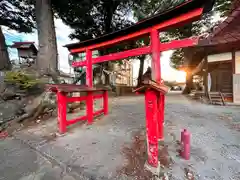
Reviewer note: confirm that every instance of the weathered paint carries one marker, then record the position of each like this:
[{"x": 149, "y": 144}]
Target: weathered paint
[{"x": 151, "y": 107}]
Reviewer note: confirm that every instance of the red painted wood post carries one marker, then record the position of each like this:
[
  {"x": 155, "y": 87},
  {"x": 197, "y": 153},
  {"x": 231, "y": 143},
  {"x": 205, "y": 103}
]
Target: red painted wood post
[
  {"x": 160, "y": 117},
  {"x": 105, "y": 102},
  {"x": 89, "y": 81},
  {"x": 156, "y": 76},
  {"x": 62, "y": 111},
  {"x": 90, "y": 107},
  {"x": 89, "y": 73},
  {"x": 162, "y": 99},
  {"x": 155, "y": 46},
  {"x": 151, "y": 121}
]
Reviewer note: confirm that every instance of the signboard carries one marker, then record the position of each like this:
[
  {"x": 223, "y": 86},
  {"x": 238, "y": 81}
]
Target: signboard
[{"x": 220, "y": 57}]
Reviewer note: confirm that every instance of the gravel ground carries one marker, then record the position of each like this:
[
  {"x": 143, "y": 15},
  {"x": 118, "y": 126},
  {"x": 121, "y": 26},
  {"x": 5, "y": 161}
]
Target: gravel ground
[
  {"x": 96, "y": 151},
  {"x": 215, "y": 138}
]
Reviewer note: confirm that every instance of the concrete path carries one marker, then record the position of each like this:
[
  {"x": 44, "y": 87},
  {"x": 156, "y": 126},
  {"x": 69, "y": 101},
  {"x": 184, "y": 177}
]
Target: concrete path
[{"x": 96, "y": 152}]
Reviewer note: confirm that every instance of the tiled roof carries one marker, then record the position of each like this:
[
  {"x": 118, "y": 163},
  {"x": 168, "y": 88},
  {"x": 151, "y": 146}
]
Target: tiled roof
[
  {"x": 228, "y": 31},
  {"x": 22, "y": 44}
]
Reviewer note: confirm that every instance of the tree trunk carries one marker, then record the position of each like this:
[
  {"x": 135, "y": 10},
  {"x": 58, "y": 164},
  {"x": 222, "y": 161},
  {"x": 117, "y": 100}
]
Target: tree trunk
[
  {"x": 140, "y": 72},
  {"x": 5, "y": 63},
  {"x": 47, "y": 58},
  {"x": 189, "y": 83}
]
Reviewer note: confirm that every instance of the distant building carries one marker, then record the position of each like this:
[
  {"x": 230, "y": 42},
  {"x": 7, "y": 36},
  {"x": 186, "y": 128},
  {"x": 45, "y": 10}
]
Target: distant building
[
  {"x": 27, "y": 52},
  {"x": 217, "y": 58},
  {"x": 123, "y": 73}
]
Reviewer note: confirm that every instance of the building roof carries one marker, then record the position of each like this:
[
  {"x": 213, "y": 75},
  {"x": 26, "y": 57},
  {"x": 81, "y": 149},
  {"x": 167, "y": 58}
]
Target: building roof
[
  {"x": 226, "y": 32},
  {"x": 181, "y": 9},
  {"x": 20, "y": 45},
  {"x": 25, "y": 46}
]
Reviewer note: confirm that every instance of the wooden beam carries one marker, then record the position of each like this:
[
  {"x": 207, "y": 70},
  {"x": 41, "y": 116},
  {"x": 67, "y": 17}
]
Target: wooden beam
[
  {"x": 122, "y": 55},
  {"x": 175, "y": 44},
  {"x": 182, "y": 19},
  {"x": 79, "y": 63}
]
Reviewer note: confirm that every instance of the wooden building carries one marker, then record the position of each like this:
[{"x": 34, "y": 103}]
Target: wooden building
[
  {"x": 27, "y": 52},
  {"x": 218, "y": 58}
]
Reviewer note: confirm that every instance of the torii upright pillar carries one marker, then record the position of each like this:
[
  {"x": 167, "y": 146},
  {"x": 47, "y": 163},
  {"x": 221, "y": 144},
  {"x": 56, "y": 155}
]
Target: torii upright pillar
[
  {"x": 156, "y": 76},
  {"x": 89, "y": 81}
]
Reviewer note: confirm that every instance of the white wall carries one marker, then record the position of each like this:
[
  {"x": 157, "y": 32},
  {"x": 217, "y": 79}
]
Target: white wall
[
  {"x": 236, "y": 88},
  {"x": 136, "y": 66},
  {"x": 220, "y": 57},
  {"x": 237, "y": 62}
]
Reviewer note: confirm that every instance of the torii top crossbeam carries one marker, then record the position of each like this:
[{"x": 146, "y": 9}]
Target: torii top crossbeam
[{"x": 186, "y": 12}]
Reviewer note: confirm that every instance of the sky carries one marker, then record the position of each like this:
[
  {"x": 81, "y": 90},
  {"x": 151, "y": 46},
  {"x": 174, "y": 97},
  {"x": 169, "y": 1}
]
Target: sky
[{"x": 62, "y": 32}]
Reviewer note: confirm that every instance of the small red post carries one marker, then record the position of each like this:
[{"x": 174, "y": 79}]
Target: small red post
[
  {"x": 185, "y": 143},
  {"x": 90, "y": 107},
  {"x": 151, "y": 124},
  {"x": 105, "y": 102},
  {"x": 62, "y": 112},
  {"x": 182, "y": 142}
]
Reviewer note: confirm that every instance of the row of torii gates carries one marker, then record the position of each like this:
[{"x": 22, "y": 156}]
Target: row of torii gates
[{"x": 186, "y": 12}]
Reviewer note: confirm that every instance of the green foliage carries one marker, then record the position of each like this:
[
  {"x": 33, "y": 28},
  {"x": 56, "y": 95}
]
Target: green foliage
[
  {"x": 223, "y": 7},
  {"x": 147, "y": 8},
  {"x": 93, "y": 18},
  {"x": 177, "y": 59},
  {"x": 195, "y": 29},
  {"x": 17, "y": 15},
  {"x": 150, "y": 7},
  {"x": 21, "y": 79}
]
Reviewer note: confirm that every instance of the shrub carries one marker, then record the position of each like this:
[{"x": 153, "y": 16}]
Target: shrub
[{"x": 21, "y": 79}]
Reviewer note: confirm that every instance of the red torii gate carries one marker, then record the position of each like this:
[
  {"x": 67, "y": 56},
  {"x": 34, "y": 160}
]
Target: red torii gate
[{"x": 187, "y": 12}]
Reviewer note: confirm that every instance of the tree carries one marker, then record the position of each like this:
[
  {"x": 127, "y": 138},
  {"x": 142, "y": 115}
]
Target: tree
[
  {"x": 146, "y": 9},
  {"x": 5, "y": 63},
  {"x": 92, "y": 18},
  {"x": 15, "y": 15},
  {"x": 153, "y": 6},
  {"x": 194, "y": 29},
  {"x": 47, "y": 58}
]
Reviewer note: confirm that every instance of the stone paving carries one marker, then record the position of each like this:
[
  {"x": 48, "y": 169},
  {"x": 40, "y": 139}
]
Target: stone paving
[{"x": 95, "y": 152}]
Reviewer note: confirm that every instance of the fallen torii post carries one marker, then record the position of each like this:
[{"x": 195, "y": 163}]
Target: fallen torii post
[{"x": 186, "y": 12}]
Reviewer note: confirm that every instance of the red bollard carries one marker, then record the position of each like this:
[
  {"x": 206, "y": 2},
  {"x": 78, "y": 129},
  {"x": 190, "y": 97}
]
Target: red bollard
[{"x": 185, "y": 143}]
